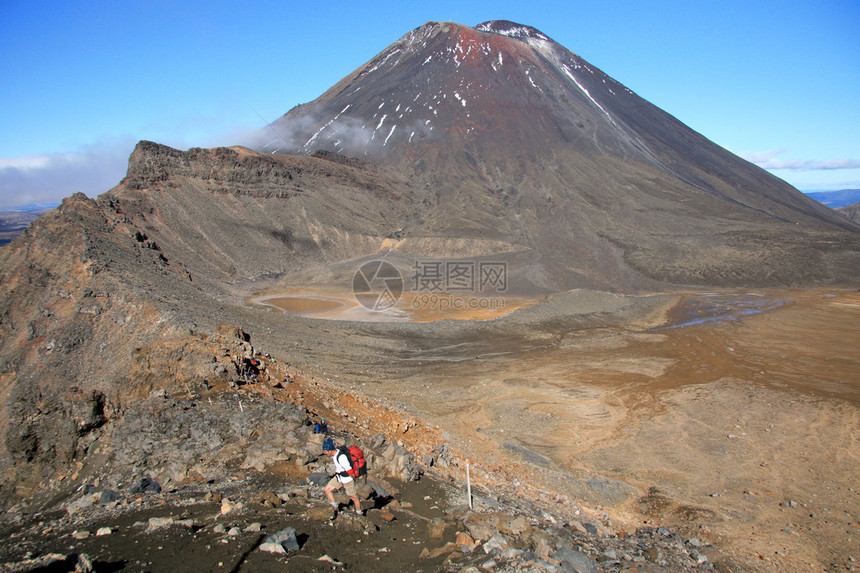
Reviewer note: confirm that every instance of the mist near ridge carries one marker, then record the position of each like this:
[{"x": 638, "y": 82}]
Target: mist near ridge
[{"x": 290, "y": 134}]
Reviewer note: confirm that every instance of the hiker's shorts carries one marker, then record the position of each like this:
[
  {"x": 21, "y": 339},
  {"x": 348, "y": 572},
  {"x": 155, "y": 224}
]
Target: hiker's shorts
[{"x": 348, "y": 487}]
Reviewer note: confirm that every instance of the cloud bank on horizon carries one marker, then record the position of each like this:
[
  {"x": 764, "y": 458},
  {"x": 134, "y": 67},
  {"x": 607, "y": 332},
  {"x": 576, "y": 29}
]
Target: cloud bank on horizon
[
  {"x": 51, "y": 177},
  {"x": 809, "y": 174},
  {"x": 768, "y": 160},
  {"x": 90, "y": 169}
]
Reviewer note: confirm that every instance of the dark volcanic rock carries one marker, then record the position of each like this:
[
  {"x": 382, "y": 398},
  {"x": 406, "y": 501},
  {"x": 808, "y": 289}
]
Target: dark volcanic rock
[
  {"x": 180, "y": 439},
  {"x": 145, "y": 485}
]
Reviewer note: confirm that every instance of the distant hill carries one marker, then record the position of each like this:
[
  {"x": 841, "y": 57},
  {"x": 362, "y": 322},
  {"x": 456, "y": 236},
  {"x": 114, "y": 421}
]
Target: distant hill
[
  {"x": 14, "y": 220},
  {"x": 851, "y": 211},
  {"x": 836, "y": 199}
]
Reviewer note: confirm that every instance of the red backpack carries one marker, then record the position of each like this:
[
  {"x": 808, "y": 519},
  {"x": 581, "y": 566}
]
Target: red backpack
[{"x": 358, "y": 465}]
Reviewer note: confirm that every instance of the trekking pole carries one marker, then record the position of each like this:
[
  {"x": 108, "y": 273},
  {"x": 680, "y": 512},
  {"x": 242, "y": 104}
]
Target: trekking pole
[{"x": 468, "y": 485}]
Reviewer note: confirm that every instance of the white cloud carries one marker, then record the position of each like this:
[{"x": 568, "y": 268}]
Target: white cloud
[
  {"x": 26, "y": 163},
  {"x": 836, "y": 164},
  {"x": 769, "y": 160},
  {"x": 92, "y": 170}
]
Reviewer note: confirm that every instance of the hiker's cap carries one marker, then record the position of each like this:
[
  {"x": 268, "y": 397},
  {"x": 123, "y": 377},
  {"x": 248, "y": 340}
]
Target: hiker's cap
[{"x": 328, "y": 445}]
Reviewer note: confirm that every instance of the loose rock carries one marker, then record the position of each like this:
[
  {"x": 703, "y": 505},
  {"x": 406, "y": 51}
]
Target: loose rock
[{"x": 286, "y": 538}]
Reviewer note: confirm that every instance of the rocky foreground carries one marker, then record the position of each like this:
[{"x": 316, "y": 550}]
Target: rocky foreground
[
  {"x": 231, "y": 448},
  {"x": 251, "y": 500},
  {"x": 226, "y": 473}
]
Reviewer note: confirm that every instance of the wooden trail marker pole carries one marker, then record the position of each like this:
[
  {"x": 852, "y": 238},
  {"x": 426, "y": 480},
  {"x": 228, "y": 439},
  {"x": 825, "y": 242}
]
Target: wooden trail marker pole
[{"x": 468, "y": 485}]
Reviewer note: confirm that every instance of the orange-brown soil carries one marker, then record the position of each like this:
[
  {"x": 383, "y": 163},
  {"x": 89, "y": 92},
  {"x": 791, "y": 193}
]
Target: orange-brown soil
[
  {"x": 411, "y": 306},
  {"x": 746, "y": 429},
  {"x": 742, "y": 430}
]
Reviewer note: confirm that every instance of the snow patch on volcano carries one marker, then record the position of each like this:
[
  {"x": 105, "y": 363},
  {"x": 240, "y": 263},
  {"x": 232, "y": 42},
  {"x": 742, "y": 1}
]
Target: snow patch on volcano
[{"x": 588, "y": 95}]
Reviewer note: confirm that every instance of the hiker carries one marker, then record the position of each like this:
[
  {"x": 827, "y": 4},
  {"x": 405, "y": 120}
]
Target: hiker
[
  {"x": 248, "y": 370},
  {"x": 254, "y": 369},
  {"x": 342, "y": 465},
  {"x": 321, "y": 427}
]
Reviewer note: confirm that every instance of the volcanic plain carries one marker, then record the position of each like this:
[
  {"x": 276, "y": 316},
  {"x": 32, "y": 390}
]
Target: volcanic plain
[{"x": 730, "y": 414}]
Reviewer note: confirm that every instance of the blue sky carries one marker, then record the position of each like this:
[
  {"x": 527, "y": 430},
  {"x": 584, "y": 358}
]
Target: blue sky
[{"x": 777, "y": 82}]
